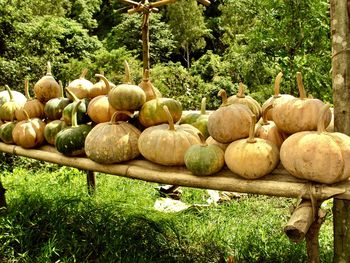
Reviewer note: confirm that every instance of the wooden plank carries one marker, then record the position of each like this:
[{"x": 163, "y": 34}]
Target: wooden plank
[{"x": 278, "y": 183}]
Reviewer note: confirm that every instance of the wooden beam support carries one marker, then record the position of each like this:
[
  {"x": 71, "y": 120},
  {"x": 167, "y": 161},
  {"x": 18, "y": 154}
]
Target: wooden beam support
[
  {"x": 2, "y": 196},
  {"x": 91, "y": 182}
]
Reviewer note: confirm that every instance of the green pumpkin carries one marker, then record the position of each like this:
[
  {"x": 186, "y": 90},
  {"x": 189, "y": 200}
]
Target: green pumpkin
[
  {"x": 203, "y": 159},
  {"x": 51, "y": 130},
  {"x": 152, "y": 112},
  {"x": 6, "y": 132},
  {"x": 71, "y": 141},
  {"x": 82, "y": 116},
  {"x": 127, "y": 97},
  {"x": 8, "y": 109},
  {"x": 54, "y": 107}
]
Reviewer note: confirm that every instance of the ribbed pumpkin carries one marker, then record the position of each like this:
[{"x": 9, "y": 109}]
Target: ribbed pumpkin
[
  {"x": 82, "y": 116},
  {"x": 152, "y": 112},
  {"x": 229, "y": 122},
  {"x": 299, "y": 114},
  {"x": 29, "y": 133},
  {"x": 268, "y": 130},
  {"x": 127, "y": 96},
  {"x": 33, "y": 107},
  {"x": 252, "y": 158},
  {"x": 150, "y": 91},
  {"x": 204, "y": 159},
  {"x": 80, "y": 87},
  {"x": 318, "y": 156},
  {"x": 8, "y": 109},
  {"x": 16, "y": 95},
  {"x": 276, "y": 98},
  {"x": 102, "y": 87},
  {"x": 51, "y": 130},
  {"x": 6, "y": 132},
  {"x": 47, "y": 87},
  {"x": 71, "y": 141},
  {"x": 53, "y": 108},
  {"x": 167, "y": 144},
  {"x": 112, "y": 142},
  {"x": 198, "y": 120},
  {"x": 241, "y": 98}
]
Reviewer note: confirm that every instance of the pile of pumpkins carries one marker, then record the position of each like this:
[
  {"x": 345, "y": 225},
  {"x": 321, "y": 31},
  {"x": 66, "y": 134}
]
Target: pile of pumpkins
[{"x": 116, "y": 123}]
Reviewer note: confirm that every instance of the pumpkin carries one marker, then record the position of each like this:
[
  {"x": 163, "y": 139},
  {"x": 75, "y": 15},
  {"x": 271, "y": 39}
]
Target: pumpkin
[
  {"x": 299, "y": 114},
  {"x": 33, "y": 107},
  {"x": 82, "y": 116},
  {"x": 53, "y": 108},
  {"x": 102, "y": 87},
  {"x": 6, "y": 132},
  {"x": 204, "y": 159},
  {"x": 117, "y": 141},
  {"x": 150, "y": 91},
  {"x": 51, "y": 130},
  {"x": 241, "y": 98},
  {"x": 71, "y": 141},
  {"x": 268, "y": 130},
  {"x": 29, "y": 133},
  {"x": 47, "y": 87},
  {"x": 127, "y": 96},
  {"x": 16, "y": 95},
  {"x": 8, "y": 109},
  {"x": 167, "y": 144},
  {"x": 252, "y": 158},
  {"x": 318, "y": 156},
  {"x": 210, "y": 140},
  {"x": 152, "y": 112},
  {"x": 276, "y": 98},
  {"x": 330, "y": 127},
  {"x": 80, "y": 87},
  {"x": 230, "y": 121}
]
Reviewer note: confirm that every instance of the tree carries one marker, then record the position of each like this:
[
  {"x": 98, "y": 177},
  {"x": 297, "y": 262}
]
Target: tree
[{"x": 186, "y": 21}]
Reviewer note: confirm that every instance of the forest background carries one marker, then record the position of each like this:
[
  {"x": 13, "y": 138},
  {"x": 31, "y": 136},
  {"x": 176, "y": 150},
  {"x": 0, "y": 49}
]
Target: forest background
[{"x": 195, "y": 50}]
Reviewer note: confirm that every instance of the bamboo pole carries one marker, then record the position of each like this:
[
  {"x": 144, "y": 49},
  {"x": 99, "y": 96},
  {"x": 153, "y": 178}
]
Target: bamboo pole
[{"x": 278, "y": 183}]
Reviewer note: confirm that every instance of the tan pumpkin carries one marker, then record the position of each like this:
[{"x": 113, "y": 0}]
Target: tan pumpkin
[
  {"x": 150, "y": 91},
  {"x": 318, "y": 156},
  {"x": 80, "y": 87},
  {"x": 102, "y": 87},
  {"x": 230, "y": 122},
  {"x": 29, "y": 133},
  {"x": 117, "y": 141},
  {"x": 8, "y": 108},
  {"x": 210, "y": 140},
  {"x": 299, "y": 114},
  {"x": 33, "y": 107},
  {"x": 167, "y": 144},
  {"x": 241, "y": 98},
  {"x": 276, "y": 98},
  {"x": 268, "y": 130},
  {"x": 252, "y": 158}
]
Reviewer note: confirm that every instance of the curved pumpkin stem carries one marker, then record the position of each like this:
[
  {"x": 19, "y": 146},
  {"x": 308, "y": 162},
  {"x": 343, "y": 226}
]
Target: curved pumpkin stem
[
  {"x": 169, "y": 118},
  {"x": 203, "y": 106},
  {"x": 202, "y": 138},
  {"x": 251, "y": 138},
  {"x": 265, "y": 121},
  {"x": 222, "y": 93},
  {"x": 83, "y": 73},
  {"x": 26, "y": 89},
  {"x": 26, "y": 114},
  {"x": 302, "y": 93},
  {"x": 114, "y": 118},
  {"x": 61, "y": 89},
  {"x": 71, "y": 93},
  {"x": 104, "y": 79},
  {"x": 74, "y": 114},
  {"x": 146, "y": 85},
  {"x": 277, "y": 85},
  {"x": 127, "y": 77},
  {"x": 321, "y": 120},
  {"x": 240, "y": 93},
  {"x": 48, "y": 69},
  {"x": 9, "y": 92}
]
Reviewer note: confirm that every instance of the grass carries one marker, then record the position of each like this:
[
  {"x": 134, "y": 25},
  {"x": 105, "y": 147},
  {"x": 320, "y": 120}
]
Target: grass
[{"x": 51, "y": 218}]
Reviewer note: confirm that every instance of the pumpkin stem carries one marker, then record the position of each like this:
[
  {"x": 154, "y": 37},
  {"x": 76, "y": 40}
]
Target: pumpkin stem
[
  {"x": 251, "y": 138},
  {"x": 74, "y": 113},
  {"x": 222, "y": 93},
  {"x": 203, "y": 141},
  {"x": 170, "y": 118},
  {"x": 71, "y": 93},
  {"x": 240, "y": 93},
  {"x": 83, "y": 73},
  {"x": 301, "y": 88},
  {"x": 26, "y": 114},
  {"x": 321, "y": 120},
  {"x": 61, "y": 89},
  {"x": 147, "y": 86},
  {"x": 127, "y": 77},
  {"x": 48, "y": 69},
  {"x": 277, "y": 85},
  {"x": 104, "y": 79},
  {"x": 9, "y": 92},
  {"x": 114, "y": 118},
  {"x": 26, "y": 89},
  {"x": 203, "y": 106},
  {"x": 265, "y": 121}
]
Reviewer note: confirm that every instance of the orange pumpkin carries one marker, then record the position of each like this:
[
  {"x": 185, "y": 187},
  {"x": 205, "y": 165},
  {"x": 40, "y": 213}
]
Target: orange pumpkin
[{"x": 102, "y": 87}]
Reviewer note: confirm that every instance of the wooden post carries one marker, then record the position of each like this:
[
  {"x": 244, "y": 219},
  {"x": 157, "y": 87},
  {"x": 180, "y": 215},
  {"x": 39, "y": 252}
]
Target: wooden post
[
  {"x": 340, "y": 31},
  {"x": 2, "y": 196},
  {"x": 91, "y": 182}
]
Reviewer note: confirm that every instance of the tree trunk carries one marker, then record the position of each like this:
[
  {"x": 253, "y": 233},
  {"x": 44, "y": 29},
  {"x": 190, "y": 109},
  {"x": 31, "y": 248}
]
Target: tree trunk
[{"x": 340, "y": 28}]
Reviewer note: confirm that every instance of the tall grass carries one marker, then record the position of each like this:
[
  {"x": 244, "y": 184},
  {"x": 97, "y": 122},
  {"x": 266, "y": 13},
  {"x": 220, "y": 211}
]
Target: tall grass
[{"x": 51, "y": 218}]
